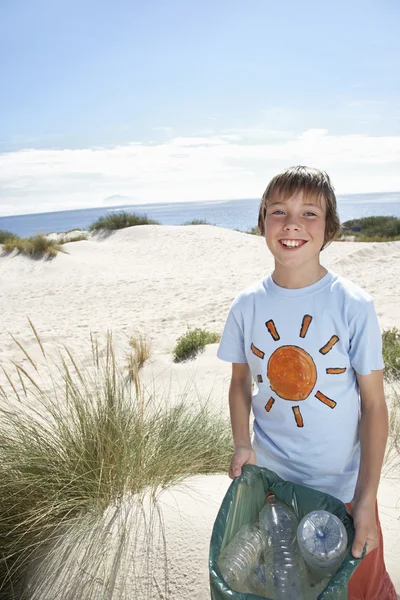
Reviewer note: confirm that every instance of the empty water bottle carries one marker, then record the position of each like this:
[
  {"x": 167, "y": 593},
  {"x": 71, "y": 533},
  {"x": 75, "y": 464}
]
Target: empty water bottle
[
  {"x": 322, "y": 540},
  {"x": 256, "y": 583},
  {"x": 285, "y": 571},
  {"x": 240, "y": 556}
]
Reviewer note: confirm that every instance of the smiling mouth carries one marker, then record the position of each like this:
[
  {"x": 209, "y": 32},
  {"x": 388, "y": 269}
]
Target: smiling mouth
[{"x": 292, "y": 243}]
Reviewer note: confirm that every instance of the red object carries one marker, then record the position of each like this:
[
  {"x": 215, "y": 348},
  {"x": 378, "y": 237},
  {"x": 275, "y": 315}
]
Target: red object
[{"x": 371, "y": 581}]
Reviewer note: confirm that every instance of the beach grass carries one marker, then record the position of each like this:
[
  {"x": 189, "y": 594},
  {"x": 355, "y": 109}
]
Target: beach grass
[
  {"x": 76, "y": 441},
  {"x": 373, "y": 229},
  {"x": 391, "y": 357},
  {"x": 35, "y": 246},
  {"x": 391, "y": 353},
  {"x": 79, "y": 237},
  {"x": 392, "y": 391},
  {"x": 198, "y": 222},
  {"x": 140, "y": 351},
  {"x": 6, "y": 235},
  {"x": 254, "y": 231},
  {"x": 120, "y": 220},
  {"x": 192, "y": 342}
]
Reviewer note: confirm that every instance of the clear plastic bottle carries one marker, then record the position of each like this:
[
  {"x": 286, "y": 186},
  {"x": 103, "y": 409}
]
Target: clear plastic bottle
[
  {"x": 285, "y": 571},
  {"x": 257, "y": 582},
  {"x": 322, "y": 540},
  {"x": 239, "y": 558}
]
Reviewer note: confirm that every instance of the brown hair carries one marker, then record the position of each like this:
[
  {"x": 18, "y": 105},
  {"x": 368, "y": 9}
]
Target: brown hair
[{"x": 313, "y": 183}]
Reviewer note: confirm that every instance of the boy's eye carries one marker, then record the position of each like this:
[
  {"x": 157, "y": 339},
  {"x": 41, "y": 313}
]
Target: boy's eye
[
  {"x": 309, "y": 213},
  {"x": 278, "y": 212}
]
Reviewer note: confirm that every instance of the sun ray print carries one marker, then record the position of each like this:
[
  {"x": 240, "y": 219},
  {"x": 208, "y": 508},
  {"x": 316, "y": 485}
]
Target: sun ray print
[
  {"x": 329, "y": 345},
  {"x": 297, "y": 416},
  {"x": 269, "y": 404},
  {"x": 322, "y": 398},
  {"x": 305, "y": 325},
  {"x": 292, "y": 372},
  {"x": 257, "y": 352},
  {"x": 270, "y": 325}
]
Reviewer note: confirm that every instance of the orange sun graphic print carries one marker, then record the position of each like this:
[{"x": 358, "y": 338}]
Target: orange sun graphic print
[{"x": 292, "y": 372}]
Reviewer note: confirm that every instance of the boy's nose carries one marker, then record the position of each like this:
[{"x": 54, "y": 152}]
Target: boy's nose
[{"x": 291, "y": 225}]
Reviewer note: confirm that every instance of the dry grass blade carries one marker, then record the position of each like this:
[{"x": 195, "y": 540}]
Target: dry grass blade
[
  {"x": 37, "y": 337},
  {"x": 26, "y": 374},
  {"x": 21, "y": 379},
  {"x": 20, "y": 346},
  {"x": 10, "y": 381},
  {"x": 141, "y": 346},
  {"x": 71, "y": 358}
]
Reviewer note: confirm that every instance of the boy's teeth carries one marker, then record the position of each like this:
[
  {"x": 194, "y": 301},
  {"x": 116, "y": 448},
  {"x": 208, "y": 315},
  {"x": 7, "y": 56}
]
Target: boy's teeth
[{"x": 291, "y": 243}]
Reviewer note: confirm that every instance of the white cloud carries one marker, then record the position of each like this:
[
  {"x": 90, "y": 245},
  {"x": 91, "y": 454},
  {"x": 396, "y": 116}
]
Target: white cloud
[{"x": 192, "y": 168}]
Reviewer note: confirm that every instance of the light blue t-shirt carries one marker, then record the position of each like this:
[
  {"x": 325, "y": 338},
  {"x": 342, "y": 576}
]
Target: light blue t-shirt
[{"x": 303, "y": 347}]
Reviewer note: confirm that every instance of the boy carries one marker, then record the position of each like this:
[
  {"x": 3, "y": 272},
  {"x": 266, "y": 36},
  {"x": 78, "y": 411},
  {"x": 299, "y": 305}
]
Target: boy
[{"x": 311, "y": 342}]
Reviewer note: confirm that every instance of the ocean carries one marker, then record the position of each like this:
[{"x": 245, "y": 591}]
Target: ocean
[{"x": 232, "y": 214}]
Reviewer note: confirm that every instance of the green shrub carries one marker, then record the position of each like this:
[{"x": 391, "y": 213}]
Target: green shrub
[
  {"x": 78, "y": 441},
  {"x": 120, "y": 220},
  {"x": 192, "y": 342},
  {"x": 374, "y": 229},
  {"x": 391, "y": 353},
  {"x": 6, "y": 235}
]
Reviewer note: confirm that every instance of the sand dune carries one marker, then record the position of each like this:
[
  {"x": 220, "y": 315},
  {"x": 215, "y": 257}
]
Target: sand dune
[{"x": 159, "y": 280}]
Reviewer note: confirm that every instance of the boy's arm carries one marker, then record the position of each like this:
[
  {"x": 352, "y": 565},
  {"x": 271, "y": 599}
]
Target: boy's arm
[
  {"x": 373, "y": 438},
  {"x": 240, "y": 406}
]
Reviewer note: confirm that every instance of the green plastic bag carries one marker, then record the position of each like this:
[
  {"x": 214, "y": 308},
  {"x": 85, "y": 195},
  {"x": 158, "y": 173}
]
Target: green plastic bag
[{"x": 242, "y": 504}]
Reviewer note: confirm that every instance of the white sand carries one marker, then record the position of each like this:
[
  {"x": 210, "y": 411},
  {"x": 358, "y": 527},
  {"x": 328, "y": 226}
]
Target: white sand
[{"x": 160, "y": 280}]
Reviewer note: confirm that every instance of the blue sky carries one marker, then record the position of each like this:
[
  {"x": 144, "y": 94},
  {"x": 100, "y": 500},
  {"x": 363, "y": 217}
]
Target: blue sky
[{"x": 190, "y": 100}]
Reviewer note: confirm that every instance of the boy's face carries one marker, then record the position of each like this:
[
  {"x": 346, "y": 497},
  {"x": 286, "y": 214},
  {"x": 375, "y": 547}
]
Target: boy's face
[{"x": 295, "y": 230}]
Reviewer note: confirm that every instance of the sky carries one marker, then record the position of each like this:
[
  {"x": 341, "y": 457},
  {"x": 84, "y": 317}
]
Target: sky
[{"x": 110, "y": 102}]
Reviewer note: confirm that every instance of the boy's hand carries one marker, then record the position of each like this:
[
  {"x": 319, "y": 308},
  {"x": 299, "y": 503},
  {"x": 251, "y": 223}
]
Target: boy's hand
[
  {"x": 366, "y": 529},
  {"x": 243, "y": 455}
]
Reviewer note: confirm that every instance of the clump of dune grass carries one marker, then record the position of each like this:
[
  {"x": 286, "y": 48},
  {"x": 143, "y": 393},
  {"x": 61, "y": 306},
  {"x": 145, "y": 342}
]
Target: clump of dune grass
[
  {"x": 192, "y": 342},
  {"x": 140, "y": 351},
  {"x": 35, "y": 246},
  {"x": 373, "y": 229},
  {"x": 254, "y": 231},
  {"x": 79, "y": 237},
  {"x": 392, "y": 391},
  {"x": 391, "y": 352},
  {"x": 76, "y": 441},
  {"x": 120, "y": 220},
  {"x": 6, "y": 235},
  {"x": 198, "y": 222},
  {"x": 391, "y": 357}
]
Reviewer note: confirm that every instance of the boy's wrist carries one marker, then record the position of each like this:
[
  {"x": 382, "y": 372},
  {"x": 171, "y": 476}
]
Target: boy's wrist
[
  {"x": 244, "y": 446},
  {"x": 367, "y": 498}
]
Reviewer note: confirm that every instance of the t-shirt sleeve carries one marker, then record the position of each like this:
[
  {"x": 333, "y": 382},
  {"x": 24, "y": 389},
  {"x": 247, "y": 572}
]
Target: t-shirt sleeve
[
  {"x": 231, "y": 346},
  {"x": 366, "y": 341}
]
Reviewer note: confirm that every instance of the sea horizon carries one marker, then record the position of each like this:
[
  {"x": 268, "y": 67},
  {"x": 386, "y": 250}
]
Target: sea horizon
[{"x": 238, "y": 214}]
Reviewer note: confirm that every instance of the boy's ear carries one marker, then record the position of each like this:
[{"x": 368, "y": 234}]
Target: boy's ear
[
  {"x": 261, "y": 224},
  {"x": 329, "y": 237}
]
